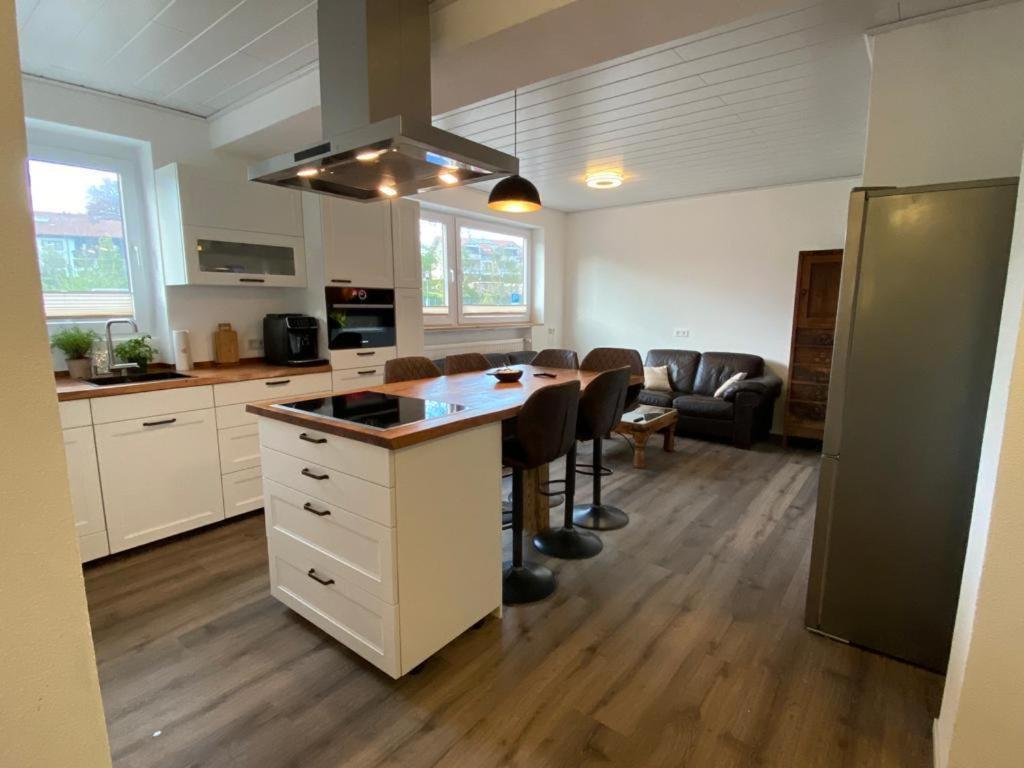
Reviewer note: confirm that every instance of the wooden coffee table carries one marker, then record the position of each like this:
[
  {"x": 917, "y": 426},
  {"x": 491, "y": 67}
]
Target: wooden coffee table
[{"x": 652, "y": 420}]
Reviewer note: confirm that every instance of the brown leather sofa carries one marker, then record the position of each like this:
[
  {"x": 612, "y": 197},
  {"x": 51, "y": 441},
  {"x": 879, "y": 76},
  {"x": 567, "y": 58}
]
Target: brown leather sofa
[{"x": 742, "y": 415}]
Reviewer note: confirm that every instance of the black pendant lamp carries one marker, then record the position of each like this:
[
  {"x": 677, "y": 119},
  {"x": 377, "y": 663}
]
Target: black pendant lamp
[{"x": 514, "y": 194}]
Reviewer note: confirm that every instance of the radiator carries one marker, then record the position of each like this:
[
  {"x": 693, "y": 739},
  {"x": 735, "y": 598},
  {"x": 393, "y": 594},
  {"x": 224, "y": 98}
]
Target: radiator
[{"x": 435, "y": 351}]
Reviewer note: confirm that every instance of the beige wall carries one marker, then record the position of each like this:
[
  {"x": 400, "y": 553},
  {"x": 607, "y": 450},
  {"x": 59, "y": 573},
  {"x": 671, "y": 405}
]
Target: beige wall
[
  {"x": 50, "y": 709},
  {"x": 946, "y": 101},
  {"x": 982, "y": 719},
  {"x": 722, "y": 266}
]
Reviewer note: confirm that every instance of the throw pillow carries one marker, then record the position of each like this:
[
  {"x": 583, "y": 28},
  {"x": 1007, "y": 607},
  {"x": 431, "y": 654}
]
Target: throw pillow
[
  {"x": 720, "y": 392},
  {"x": 656, "y": 378}
]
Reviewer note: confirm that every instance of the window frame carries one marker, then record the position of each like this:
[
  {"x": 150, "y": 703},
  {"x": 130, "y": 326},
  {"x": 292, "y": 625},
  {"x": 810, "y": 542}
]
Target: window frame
[
  {"x": 456, "y": 316},
  {"x": 51, "y": 146}
]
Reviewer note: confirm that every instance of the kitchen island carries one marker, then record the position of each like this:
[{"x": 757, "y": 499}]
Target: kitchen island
[{"x": 388, "y": 537}]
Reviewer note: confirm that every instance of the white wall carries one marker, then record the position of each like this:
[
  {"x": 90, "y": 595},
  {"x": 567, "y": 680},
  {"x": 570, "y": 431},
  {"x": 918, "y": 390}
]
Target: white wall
[
  {"x": 548, "y": 284},
  {"x": 946, "y": 101},
  {"x": 50, "y": 713},
  {"x": 170, "y": 136},
  {"x": 722, "y": 266}
]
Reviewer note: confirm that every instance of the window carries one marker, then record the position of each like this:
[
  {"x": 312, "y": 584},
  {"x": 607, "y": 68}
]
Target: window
[
  {"x": 87, "y": 211},
  {"x": 474, "y": 272},
  {"x": 81, "y": 241}
]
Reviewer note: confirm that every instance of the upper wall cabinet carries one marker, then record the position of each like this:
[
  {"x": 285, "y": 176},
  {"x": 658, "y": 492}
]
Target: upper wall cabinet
[
  {"x": 355, "y": 239},
  {"x": 220, "y": 230}
]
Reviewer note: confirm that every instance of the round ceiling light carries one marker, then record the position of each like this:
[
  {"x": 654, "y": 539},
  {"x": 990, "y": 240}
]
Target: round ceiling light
[{"x": 604, "y": 179}]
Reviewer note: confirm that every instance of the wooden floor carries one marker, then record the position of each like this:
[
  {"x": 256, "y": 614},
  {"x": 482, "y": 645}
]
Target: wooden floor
[{"x": 682, "y": 644}]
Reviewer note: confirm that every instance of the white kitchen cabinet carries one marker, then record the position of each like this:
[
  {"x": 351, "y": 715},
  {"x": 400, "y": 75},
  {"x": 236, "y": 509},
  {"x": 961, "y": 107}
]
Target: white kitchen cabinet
[
  {"x": 243, "y": 491},
  {"x": 354, "y": 239},
  {"x": 161, "y": 476},
  {"x": 405, "y": 237},
  {"x": 357, "y": 378},
  {"x": 218, "y": 228},
  {"x": 409, "y": 321},
  {"x": 86, "y": 498}
]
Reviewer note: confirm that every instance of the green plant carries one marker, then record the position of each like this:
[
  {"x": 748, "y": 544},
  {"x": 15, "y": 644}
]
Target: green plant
[
  {"x": 74, "y": 342},
  {"x": 136, "y": 351}
]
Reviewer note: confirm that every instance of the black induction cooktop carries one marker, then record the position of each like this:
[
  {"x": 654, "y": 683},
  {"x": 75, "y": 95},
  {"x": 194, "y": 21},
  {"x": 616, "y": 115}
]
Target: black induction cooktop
[{"x": 375, "y": 409}]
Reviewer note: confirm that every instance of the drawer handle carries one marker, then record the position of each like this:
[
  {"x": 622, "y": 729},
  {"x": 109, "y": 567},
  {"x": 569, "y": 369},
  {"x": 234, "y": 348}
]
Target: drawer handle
[
  {"x": 368, "y": 373},
  {"x": 277, "y": 383},
  {"x": 308, "y": 506},
  {"x": 365, "y": 354},
  {"x": 312, "y": 574},
  {"x": 339, "y": 280},
  {"x": 306, "y": 471},
  {"x": 251, "y": 280},
  {"x": 158, "y": 423},
  {"x": 314, "y": 440}
]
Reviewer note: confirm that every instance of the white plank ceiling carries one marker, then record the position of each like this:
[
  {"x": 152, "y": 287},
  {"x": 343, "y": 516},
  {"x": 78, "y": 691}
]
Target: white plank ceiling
[
  {"x": 766, "y": 101},
  {"x": 772, "y": 101}
]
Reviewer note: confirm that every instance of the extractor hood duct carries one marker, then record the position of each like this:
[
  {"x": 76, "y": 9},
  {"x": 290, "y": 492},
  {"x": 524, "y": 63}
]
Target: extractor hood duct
[{"x": 375, "y": 104}]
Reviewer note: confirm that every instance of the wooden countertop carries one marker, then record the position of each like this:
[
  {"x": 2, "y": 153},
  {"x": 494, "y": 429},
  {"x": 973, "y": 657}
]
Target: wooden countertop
[
  {"x": 247, "y": 370},
  {"x": 486, "y": 399}
]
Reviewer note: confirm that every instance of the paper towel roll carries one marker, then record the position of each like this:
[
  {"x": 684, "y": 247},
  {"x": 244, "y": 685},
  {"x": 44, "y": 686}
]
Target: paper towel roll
[{"x": 182, "y": 351}]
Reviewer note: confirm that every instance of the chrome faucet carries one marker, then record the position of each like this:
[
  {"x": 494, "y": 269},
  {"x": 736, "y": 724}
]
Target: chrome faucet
[{"x": 111, "y": 357}]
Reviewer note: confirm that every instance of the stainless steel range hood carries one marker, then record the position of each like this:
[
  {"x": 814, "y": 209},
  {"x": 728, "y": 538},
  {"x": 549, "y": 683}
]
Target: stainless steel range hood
[{"x": 375, "y": 104}]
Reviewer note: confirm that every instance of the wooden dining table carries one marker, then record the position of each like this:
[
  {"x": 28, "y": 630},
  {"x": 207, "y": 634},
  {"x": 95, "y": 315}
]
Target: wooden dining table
[{"x": 486, "y": 400}]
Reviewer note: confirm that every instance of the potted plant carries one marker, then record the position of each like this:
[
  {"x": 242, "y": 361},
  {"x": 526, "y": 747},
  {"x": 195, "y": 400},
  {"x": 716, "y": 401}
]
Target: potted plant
[
  {"x": 76, "y": 344},
  {"x": 138, "y": 351}
]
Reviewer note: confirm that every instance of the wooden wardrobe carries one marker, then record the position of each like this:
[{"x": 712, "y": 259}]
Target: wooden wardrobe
[{"x": 810, "y": 357}]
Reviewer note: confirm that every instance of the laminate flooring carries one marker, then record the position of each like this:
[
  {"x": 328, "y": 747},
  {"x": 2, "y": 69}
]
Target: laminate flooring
[{"x": 682, "y": 644}]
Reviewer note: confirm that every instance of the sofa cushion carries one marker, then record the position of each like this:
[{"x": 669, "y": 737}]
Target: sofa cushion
[
  {"x": 682, "y": 366},
  {"x": 660, "y": 399},
  {"x": 656, "y": 378},
  {"x": 717, "y": 367},
  {"x": 703, "y": 407}
]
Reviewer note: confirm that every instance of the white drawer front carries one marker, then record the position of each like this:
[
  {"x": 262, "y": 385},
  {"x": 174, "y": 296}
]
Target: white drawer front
[
  {"x": 74, "y": 413},
  {"x": 358, "y": 378},
  {"x": 239, "y": 448},
  {"x": 243, "y": 491},
  {"x": 268, "y": 389},
  {"x": 143, "y": 404},
  {"x": 370, "y": 462},
  {"x": 234, "y": 416},
  {"x": 361, "y": 358},
  {"x": 354, "y": 618},
  {"x": 374, "y": 502},
  {"x": 360, "y": 552}
]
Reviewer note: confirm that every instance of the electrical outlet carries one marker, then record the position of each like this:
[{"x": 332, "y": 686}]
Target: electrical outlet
[
  {"x": 255, "y": 345},
  {"x": 551, "y": 331},
  {"x": 681, "y": 333}
]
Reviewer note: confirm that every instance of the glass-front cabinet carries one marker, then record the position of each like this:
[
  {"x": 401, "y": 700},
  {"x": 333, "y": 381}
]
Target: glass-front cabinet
[
  {"x": 217, "y": 228},
  {"x": 226, "y": 257}
]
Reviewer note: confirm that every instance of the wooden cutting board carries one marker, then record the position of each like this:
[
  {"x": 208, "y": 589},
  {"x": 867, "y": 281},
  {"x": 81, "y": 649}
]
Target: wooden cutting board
[{"x": 225, "y": 344}]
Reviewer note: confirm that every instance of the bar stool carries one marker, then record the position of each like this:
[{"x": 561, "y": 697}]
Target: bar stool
[
  {"x": 544, "y": 430},
  {"x": 602, "y": 415},
  {"x": 409, "y": 369},
  {"x": 466, "y": 363},
  {"x": 600, "y": 409}
]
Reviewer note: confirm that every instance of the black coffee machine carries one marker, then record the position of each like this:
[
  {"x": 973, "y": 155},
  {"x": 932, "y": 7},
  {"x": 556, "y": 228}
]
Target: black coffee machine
[{"x": 291, "y": 339}]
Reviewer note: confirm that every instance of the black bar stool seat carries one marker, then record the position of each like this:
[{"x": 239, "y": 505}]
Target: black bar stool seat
[{"x": 544, "y": 430}]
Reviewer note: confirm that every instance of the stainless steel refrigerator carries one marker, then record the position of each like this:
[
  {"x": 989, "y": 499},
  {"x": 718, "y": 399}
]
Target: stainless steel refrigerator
[{"x": 919, "y": 307}]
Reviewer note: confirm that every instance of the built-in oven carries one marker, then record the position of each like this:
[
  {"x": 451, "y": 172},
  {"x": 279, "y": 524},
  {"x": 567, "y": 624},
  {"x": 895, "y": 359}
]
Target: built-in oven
[{"x": 359, "y": 318}]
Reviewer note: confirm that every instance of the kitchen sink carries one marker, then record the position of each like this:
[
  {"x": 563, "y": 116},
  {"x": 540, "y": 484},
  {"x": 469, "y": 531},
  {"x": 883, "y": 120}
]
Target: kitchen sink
[{"x": 136, "y": 378}]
